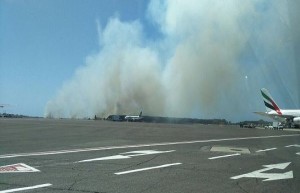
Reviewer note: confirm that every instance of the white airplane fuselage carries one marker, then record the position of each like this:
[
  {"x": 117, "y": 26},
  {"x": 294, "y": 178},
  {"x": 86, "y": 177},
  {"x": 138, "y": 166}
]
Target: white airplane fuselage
[
  {"x": 134, "y": 117},
  {"x": 291, "y": 116}
]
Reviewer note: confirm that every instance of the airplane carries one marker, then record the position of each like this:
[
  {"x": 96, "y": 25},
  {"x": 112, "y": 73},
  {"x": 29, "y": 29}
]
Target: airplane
[
  {"x": 290, "y": 116},
  {"x": 134, "y": 117}
]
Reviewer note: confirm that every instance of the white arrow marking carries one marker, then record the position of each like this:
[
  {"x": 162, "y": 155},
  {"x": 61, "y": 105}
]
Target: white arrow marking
[
  {"x": 278, "y": 166},
  {"x": 26, "y": 188},
  {"x": 127, "y": 155},
  {"x": 150, "y": 168},
  {"x": 269, "y": 176}
]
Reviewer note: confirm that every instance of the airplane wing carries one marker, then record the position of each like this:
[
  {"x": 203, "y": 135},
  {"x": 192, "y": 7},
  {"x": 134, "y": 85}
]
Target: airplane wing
[{"x": 280, "y": 118}]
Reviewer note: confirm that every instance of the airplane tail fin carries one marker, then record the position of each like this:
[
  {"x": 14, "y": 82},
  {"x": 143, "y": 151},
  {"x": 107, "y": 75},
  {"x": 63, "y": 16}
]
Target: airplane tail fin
[
  {"x": 269, "y": 101},
  {"x": 140, "y": 114}
]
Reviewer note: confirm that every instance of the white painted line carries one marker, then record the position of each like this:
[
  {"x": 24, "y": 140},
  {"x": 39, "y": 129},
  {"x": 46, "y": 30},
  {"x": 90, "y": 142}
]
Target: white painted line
[
  {"x": 145, "y": 152},
  {"x": 295, "y": 145},
  {"x": 139, "y": 145},
  {"x": 26, "y": 188},
  {"x": 105, "y": 158},
  {"x": 222, "y": 156},
  {"x": 270, "y": 149},
  {"x": 298, "y": 153},
  {"x": 150, "y": 168}
]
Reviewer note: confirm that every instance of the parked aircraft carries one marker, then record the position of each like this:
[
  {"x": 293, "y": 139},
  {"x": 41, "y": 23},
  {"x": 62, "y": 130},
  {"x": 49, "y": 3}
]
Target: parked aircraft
[
  {"x": 134, "y": 117},
  {"x": 290, "y": 116}
]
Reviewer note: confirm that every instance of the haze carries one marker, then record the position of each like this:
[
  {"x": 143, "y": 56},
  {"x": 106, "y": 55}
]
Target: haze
[{"x": 204, "y": 59}]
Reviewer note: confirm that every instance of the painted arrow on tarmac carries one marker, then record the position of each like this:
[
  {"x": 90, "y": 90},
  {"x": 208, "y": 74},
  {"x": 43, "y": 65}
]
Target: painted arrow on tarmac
[
  {"x": 127, "y": 155},
  {"x": 268, "y": 176}
]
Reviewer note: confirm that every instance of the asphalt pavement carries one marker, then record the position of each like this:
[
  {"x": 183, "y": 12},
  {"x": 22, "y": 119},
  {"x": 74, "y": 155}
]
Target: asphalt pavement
[{"x": 45, "y": 155}]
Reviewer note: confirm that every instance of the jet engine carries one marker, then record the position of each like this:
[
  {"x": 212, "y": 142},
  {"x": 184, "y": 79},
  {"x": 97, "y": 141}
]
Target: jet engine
[{"x": 296, "y": 120}]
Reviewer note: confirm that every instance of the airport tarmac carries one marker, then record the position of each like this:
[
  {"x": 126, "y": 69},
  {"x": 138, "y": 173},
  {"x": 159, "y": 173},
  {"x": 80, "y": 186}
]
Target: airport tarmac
[{"x": 44, "y": 155}]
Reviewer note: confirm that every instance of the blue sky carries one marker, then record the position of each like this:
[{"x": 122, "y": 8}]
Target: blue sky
[
  {"x": 202, "y": 59},
  {"x": 42, "y": 42}
]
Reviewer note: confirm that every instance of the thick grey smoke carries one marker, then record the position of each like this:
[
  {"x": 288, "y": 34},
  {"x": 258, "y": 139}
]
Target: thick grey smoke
[
  {"x": 123, "y": 77},
  {"x": 211, "y": 62}
]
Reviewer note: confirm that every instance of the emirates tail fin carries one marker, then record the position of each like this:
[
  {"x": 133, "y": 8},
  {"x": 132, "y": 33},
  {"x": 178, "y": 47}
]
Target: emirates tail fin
[{"x": 269, "y": 101}]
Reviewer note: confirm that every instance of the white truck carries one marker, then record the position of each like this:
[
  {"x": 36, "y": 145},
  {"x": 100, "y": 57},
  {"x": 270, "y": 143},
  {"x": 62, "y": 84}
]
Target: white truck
[{"x": 277, "y": 125}]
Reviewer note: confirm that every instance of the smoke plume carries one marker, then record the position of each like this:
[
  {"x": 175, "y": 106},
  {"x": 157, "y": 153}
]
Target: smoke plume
[{"x": 210, "y": 62}]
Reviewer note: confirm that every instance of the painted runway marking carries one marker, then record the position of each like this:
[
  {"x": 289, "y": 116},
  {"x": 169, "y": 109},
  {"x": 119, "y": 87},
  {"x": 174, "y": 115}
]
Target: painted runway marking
[
  {"x": 145, "y": 152},
  {"x": 298, "y": 153},
  {"x": 139, "y": 145},
  {"x": 26, "y": 188},
  {"x": 17, "y": 168},
  {"x": 149, "y": 168},
  {"x": 127, "y": 155},
  {"x": 113, "y": 157},
  {"x": 268, "y": 176},
  {"x": 295, "y": 145},
  {"x": 222, "y": 156},
  {"x": 270, "y": 149}
]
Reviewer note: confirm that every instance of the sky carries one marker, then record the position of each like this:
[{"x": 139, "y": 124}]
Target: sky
[
  {"x": 200, "y": 59},
  {"x": 44, "y": 42}
]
